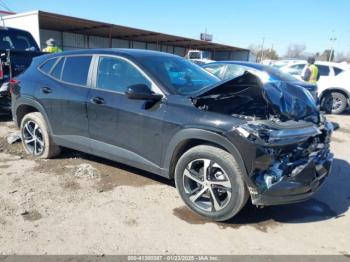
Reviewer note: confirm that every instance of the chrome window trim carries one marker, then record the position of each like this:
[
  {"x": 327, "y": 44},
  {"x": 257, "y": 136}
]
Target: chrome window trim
[
  {"x": 154, "y": 87},
  {"x": 88, "y": 80}
]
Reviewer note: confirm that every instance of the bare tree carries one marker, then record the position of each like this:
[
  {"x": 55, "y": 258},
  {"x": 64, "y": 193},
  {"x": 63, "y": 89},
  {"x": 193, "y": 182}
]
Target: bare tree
[
  {"x": 295, "y": 51},
  {"x": 327, "y": 55},
  {"x": 341, "y": 57},
  {"x": 267, "y": 53}
]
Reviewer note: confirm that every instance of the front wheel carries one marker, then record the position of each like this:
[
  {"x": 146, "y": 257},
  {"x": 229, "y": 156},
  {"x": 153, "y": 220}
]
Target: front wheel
[
  {"x": 334, "y": 103},
  {"x": 210, "y": 182}
]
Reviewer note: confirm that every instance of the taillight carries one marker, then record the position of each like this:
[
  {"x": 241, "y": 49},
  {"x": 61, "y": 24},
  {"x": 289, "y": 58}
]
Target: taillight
[
  {"x": 1, "y": 71},
  {"x": 12, "y": 83}
]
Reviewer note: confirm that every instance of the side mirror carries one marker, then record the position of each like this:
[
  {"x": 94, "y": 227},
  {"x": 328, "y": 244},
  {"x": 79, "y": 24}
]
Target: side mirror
[{"x": 142, "y": 92}]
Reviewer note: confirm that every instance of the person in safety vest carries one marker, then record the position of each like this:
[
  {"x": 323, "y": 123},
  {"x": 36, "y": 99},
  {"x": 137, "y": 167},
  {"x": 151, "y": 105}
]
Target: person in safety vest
[
  {"x": 51, "y": 46},
  {"x": 311, "y": 74}
]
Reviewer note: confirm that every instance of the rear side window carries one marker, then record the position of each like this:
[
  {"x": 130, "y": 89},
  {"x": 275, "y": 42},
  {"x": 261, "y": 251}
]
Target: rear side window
[
  {"x": 76, "y": 69},
  {"x": 57, "y": 71},
  {"x": 46, "y": 66},
  {"x": 337, "y": 70},
  {"x": 19, "y": 40}
]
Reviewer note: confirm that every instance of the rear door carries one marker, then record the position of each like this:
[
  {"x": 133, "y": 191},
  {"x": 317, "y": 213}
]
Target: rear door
[
  {"x": 65, "y": 97},
  {"x": 323, "y": 70}
]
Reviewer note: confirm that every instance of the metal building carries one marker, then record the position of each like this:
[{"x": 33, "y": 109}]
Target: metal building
[{"x": 77, "y": 33}]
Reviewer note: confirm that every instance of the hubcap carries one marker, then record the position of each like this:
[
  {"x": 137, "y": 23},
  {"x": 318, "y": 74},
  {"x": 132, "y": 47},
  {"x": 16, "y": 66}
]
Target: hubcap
[
  {"x": 33, "y": 138},
  {"x": 333, "y": 103},
  {"x": 207, "y": 185}
]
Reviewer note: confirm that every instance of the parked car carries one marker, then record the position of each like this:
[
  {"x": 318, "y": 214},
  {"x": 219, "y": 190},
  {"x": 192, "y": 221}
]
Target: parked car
[
  {"x": 334, "y": 84},
  {"x": 334, "y": 92},
  {"x": 223, "y": 142},
  {"x": 326, "y": 69},
  {"x": 199, "y": 57},
  {"x": 17, "y": 48},
  {"x": 285, "y": 62},
  {"x": 231, "y": 69}
]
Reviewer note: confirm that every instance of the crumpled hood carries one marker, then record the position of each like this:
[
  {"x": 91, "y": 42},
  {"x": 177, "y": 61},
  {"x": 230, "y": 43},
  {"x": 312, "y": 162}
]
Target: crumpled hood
[
  {"x": 291, "y": 102},
  {"x": 286, "y": 100}
]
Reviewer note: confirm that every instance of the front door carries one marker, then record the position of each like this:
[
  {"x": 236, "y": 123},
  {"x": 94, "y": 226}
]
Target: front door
[{"x": 122, "y": 129}]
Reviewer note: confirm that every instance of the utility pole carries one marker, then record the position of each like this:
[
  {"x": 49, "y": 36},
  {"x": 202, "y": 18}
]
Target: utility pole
[
  {"x": 332, "y": 40},
  {"x": 262, "y": 49}
]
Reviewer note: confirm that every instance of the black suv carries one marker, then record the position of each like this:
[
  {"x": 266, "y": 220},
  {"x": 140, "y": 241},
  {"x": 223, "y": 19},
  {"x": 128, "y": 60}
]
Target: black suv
[
  {"x": 17, "y": 48},
  {"x": 221, "y": 141}
]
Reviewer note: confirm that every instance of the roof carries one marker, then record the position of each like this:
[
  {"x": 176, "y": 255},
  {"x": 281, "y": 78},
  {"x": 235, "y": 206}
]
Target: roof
[
  {"x": 52, "y": 21},
  {"x": 119, "y": 51},
  {"x": 133, "y": 54}
]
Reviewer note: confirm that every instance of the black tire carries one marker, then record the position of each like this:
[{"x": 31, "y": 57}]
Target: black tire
[
  {"x": 233, "y": 172},
  {"x": 334, "y": 103},
  {"x": 48, "y": 149}
]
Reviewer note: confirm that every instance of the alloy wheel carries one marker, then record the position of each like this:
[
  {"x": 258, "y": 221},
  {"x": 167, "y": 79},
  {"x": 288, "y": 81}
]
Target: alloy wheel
[
  {"x": 33, "y": 138},
  {"x": 207, "y": 185},
  {"x": 333, "y": 103}
]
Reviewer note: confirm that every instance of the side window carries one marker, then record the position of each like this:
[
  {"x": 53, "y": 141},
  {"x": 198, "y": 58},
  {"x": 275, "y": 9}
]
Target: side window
[
  {"x": 214, "y": 69},
  {"x": 46, "y": 66},
  {"x": 337, "y": 70},
  {"x": 57, "y": 71},
  {"x": 76, "y": 69},
  {"x": 233, "y": 71},
  {"x": 116, "y": 74},
  {"x": 323, "y": 70}
]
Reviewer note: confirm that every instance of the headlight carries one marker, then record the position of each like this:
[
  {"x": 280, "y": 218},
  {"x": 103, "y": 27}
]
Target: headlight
[{"x": 276, "y": 136}]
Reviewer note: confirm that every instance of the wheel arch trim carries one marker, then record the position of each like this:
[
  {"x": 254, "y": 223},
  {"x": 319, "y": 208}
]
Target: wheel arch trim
[
  {"x": 198, "y": 134},
  {"x": 29, "y": 101}
]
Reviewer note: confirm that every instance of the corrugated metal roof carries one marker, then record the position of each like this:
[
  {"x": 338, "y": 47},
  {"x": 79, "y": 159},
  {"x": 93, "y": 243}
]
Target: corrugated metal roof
[{"x": 52, "y": 21}]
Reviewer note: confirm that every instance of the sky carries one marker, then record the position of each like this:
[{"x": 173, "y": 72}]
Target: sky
[{"x": 240, "y": 23}]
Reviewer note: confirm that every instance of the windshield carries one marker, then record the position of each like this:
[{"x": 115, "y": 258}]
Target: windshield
[
  {"x": 18, "y": 40},
  {"x": 178, "y": 74},
  {"x": 278, "y": 74},
  {"x": 194, "y": 55}
]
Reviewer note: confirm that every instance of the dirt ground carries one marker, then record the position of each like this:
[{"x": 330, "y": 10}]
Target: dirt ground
[{"x": 50, "y": 207}]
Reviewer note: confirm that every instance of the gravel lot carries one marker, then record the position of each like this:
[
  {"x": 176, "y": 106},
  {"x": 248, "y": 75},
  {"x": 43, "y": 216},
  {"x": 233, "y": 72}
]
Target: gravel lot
[{"x": 80, "y": 204}]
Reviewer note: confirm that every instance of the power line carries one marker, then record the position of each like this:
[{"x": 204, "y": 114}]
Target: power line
[{"x": 4, "y": 5}]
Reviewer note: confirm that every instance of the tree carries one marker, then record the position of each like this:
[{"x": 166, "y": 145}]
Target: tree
[
  {"x": 296, "y": 51},
  {"x": 341, "y": 57},
  {"x": 326, "y": 55},
  {"x": 268, "y": 53}
]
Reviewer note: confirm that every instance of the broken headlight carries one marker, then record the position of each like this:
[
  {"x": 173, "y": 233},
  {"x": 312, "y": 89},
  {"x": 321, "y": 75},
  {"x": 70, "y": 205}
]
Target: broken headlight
[{"x": 263, "y": 133}]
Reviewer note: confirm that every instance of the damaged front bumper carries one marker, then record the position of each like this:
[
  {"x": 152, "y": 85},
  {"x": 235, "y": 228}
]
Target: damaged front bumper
[
  {"x": 288, "y": 162},
  {"x": 297, "y": 186}
]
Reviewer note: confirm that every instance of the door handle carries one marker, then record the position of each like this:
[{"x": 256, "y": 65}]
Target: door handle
[
  {"x": 98, "y": 100},
  {"x": 46, "y": 90}
]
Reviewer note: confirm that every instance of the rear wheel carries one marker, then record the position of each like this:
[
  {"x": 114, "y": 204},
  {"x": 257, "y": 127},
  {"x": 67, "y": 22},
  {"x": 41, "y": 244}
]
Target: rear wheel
[
  {"x": 334, "y": 103},
  {"x": 35, "y": 137},
  {"x": 210, "y": 182}
]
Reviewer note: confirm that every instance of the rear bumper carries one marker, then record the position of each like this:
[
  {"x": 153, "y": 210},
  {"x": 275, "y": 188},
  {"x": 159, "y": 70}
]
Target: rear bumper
[{"x": 297, "y": 188}]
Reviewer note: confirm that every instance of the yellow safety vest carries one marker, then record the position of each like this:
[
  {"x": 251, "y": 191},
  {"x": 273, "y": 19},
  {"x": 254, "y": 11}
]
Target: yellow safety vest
[
  {"x": 52, "y": 49},
  {"x": 314, "y": 74}
]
